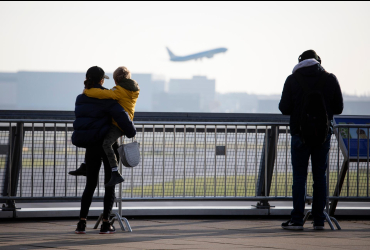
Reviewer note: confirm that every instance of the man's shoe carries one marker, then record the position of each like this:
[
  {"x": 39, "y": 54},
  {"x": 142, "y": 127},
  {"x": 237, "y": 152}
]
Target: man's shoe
[
  {"x": 115, "y": 178},
  {"x": 81, "y": 225},
  {"x": 82, "y": 170},
  {"x": 292, "y": 225},
  {"x": 107, "y": 228},
  {"x": 318, "y": 226}
]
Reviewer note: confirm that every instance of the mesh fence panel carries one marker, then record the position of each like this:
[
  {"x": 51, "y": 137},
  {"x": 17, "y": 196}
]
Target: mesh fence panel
[
  {"x": 176, "y": 161},
  {"x": 4, "y": 142}
]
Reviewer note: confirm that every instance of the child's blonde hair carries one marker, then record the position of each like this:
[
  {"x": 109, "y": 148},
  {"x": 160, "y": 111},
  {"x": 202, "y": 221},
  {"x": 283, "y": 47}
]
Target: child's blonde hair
[{"x": 121, "y": 73}]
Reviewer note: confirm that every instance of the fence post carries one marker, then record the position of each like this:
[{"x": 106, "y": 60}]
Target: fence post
[
  {"x": 338, "y": 188},
  {"x": 13, "y": 166},
  {"x": 272, "y": 137}
]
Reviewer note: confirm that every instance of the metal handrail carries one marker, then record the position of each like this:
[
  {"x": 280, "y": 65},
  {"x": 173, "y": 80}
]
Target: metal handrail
[
  {"x": 254, "y": 198},
  {"x": 153, "y": 122},
  {"x": 352, "y": 126}
]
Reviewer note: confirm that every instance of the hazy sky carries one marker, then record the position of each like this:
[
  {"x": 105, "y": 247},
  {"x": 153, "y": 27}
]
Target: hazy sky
[{"x": 264, "y": 39}]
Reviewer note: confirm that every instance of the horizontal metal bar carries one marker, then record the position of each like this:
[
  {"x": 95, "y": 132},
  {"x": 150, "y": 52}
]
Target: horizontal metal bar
[
  {"x": 151, "y": 116},
  {"x": 47, "y": 199},
  {"x": 352, "y": 126},
  {"x": 73, "y": 199},
  {"x": 231, "y": 198},
  {"x": 210, "y": 123},
  {"x": 184, "y": 123},
  {"x": 154, "y": 122},
  {"x": 36, "y": 121},
  {"x": 147, "y": 129},
  {"x": 200, "y": 130}
]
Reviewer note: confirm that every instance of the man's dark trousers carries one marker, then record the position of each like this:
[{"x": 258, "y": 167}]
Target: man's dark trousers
[{"x": 319, "y": 159}]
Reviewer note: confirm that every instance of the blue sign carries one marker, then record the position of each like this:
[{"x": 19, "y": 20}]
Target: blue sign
[{"x": 354, "y": 136}]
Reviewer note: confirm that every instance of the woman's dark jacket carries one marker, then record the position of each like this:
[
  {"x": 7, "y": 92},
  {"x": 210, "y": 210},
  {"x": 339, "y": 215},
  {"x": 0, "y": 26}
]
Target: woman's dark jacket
[
  {"x": 94, "y": 119},
  {"x": 292, "y": 96}
]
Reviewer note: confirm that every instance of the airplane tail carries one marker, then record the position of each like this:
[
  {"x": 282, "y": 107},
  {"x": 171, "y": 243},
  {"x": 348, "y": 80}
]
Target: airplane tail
[{"x": 172, "y": 55}]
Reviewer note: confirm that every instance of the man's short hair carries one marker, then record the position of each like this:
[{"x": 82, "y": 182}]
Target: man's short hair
[{"x": 309, "y": 54}]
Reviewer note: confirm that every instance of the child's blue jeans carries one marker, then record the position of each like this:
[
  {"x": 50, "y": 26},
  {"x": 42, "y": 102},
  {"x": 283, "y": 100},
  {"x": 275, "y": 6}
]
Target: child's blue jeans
[{"x": 113, "y": 134}]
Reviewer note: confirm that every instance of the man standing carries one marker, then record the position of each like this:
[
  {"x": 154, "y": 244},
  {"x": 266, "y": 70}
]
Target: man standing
[{"x": 311, "y": 96}]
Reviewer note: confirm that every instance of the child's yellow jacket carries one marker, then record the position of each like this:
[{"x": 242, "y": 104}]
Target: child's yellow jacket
[{"x": 126, "y": 98}]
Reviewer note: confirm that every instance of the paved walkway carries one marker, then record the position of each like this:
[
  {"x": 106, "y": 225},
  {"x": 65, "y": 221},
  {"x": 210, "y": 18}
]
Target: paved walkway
[{"x": 182, "y": 234}]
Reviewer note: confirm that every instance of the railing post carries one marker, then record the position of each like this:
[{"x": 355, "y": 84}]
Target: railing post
[
  {"x": 338, "y": 188},
  {"x": 343, "y": 171},
  {"x": 266, "y": 167},
  {"x": 13, "y": 166},
  {"x": 17, "y": 158}
]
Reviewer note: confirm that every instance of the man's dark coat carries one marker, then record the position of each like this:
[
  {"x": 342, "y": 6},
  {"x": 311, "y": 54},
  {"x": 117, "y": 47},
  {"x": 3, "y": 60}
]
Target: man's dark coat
[{"x": 292, "y": 96}]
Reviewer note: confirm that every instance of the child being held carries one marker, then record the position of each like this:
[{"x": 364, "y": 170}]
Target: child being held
[{"x": 126, "y": 93}]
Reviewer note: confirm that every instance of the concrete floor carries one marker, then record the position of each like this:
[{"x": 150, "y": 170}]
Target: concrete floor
[{"x": 182, "y": 234}]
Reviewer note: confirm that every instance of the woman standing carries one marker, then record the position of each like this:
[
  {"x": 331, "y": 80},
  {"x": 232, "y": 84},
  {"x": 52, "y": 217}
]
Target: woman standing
[{"x": 93, "y": 120}]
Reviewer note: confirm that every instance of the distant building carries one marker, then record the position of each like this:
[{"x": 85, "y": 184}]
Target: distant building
[
  {"x": 158, "y": 86},
  {"x": 8, "y": 90},
  {"x": 198, "y": 86},
  {"x": 354, "y": 105},
  {"x": 236, "y": 103},
  {"x": 144, "y": 102},
  {"x": 166, "y": 102},
  {"x": 48, "y": 90},
  {"x": 268, "y": 104},
  {"x": 26, "y": 90}
]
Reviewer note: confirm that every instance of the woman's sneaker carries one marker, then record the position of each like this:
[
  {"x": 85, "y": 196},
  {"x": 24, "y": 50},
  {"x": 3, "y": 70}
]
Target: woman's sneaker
[
  {"x": 107, "y": 228},
  {"x": 81, "y": 225},
  {"x": 292, "y": 225}
]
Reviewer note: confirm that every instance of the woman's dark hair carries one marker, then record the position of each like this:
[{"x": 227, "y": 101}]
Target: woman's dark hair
[
  {"x": 93, "y": 76},
  {"x": 90, "y": 82}
]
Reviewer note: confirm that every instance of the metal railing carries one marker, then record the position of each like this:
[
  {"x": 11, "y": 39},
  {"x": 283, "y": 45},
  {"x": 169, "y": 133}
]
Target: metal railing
[
  {"x": 180, "y": 160},
  {"x": 352, "y": 164}
]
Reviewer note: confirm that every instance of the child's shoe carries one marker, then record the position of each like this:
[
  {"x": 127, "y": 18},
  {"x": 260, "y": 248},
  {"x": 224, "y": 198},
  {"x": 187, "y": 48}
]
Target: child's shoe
[
  {"x": 115, "y": 178},
  {"x": 82, "y": 170}
]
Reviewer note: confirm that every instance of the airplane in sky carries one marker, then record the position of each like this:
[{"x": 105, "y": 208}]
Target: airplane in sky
[{"x": 208, "y": 54}]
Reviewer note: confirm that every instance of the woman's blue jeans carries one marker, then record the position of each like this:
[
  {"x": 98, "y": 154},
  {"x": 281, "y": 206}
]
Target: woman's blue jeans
[{"x": 319, "y": 159}]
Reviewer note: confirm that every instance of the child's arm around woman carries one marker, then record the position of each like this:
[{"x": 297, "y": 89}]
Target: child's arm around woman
[{"x": 125, "y": 92}]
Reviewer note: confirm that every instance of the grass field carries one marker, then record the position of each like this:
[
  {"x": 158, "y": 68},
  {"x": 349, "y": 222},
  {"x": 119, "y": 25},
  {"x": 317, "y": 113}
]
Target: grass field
[
  {"x": 235, "y": 186},
  {"x": 244, "y": 187},
  {"x": 37, "y": 163}
]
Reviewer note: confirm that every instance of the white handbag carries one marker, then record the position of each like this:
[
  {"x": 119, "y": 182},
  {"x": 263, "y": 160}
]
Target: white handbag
[{"x": 129, "y": 154}]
